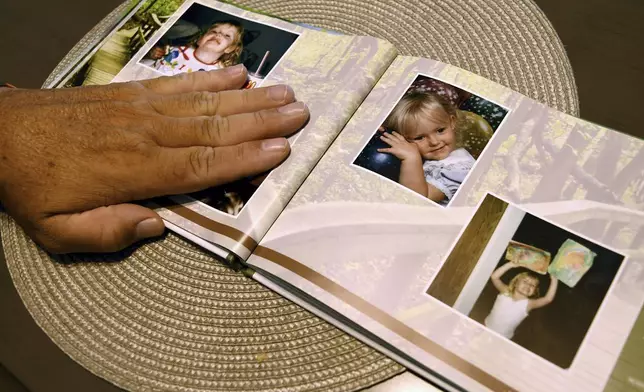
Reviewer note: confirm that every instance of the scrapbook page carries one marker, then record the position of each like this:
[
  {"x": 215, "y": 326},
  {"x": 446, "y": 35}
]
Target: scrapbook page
[
  {"x": 481, "y": 236},
  {"x": 453, "y": 223},
  {"x": 331, "y": 72}
]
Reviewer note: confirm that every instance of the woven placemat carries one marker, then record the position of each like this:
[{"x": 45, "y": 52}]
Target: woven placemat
[
  {"x": 167, "y": 316},
  {"x": 508, "y": 41}
]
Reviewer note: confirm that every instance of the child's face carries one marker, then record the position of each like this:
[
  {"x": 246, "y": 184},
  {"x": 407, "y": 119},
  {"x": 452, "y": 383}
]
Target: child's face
[
  {"x": 219, "y": 39},
  {"x": 526, "y": 286},
  {"x": 435, "y": 140}
]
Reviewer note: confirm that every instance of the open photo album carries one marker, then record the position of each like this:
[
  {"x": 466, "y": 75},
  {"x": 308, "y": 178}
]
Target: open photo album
[{"x": 478, "y": 237}]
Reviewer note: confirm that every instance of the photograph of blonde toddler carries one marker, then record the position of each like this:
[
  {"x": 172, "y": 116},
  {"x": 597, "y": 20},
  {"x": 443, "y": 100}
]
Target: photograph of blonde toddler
[
  {"x": 527, "y": 280},
  {"x": 205, "y": 39},
  {"x": 431, "y": 139},
  {"x": 219, "y": 47}
]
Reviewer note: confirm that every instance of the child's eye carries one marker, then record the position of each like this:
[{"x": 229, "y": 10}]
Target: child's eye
[
  {"x": 419, "y": 138},
  {"x": 440, "y": 130}
]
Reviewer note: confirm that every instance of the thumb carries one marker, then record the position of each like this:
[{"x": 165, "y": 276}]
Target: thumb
[{"x": 103, "y": 229}]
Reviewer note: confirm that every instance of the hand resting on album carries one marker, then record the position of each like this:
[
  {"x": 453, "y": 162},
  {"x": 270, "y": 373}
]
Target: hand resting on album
[{"x": 72, "y": 159}]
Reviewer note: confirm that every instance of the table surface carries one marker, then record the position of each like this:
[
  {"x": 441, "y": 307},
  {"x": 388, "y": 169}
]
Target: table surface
[{"x": 604, "y": 42}]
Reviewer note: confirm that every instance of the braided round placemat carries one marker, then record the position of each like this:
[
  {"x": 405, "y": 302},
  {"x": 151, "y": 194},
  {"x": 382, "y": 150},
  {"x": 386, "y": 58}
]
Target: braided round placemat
[
  {"x": 167, "y": 316},
  {"x": 508, "y": 41}
]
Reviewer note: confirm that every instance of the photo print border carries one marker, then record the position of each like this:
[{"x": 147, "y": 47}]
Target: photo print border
[
  {"x": 229, "y": 16},
  {"x": 370, "y": 143},
  {"x": 242, "y": 187},
  {"x": 590, "y": 326}
]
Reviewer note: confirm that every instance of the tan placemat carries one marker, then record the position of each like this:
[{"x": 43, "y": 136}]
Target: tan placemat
[{"x": 167, "y": 316}]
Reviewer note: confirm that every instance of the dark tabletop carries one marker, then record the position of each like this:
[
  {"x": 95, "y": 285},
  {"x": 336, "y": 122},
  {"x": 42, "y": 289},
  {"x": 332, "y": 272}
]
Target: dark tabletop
[{"x": 604, "y": 41}]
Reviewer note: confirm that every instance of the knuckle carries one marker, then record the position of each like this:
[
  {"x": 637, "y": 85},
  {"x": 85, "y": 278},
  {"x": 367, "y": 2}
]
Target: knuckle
[
  {"x": 140, "y": 144},
  {"x": 201, "y": 162},
  {"x": 245, "y": 98},
  {"x": 151, "y": 105},
  {"x": 183, "y": 77},
  {"x": 241, "y": 153},
  {"x": 154, "y": 126},
  {"x": 132, "y": 87},
  {"x": 193, "y": 79},
  {"x": 260, "y": 118},
  {"x": 215, "y": 128},
  {"x": 110, "y": 239},
  {"x": 206, "y": 102}
]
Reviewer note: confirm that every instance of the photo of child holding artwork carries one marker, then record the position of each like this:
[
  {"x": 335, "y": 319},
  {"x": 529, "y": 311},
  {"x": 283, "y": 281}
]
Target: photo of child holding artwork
[
  {"x": 431, "y": 139},
  {"x": 526, "y": 280},
  {"x": 517, "y": 299},
  {"x": 205, "y": 39}
]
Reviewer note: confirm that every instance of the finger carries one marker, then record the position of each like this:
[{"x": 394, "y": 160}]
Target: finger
[
  {"x": 387, "y": 150},
  {"x": 194, "y": 168},
  {"x": 223, "y": 79},
  {"x": 231, "y": 130},
  {"x": 104, "y": 229},
  {"x": 387, "y": 140},
  {"x": 223, "y": 103},
  {"x": 398, "y": 136}
]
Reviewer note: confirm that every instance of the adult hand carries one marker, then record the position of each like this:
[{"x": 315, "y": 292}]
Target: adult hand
[{"x": 71, "y": 159}]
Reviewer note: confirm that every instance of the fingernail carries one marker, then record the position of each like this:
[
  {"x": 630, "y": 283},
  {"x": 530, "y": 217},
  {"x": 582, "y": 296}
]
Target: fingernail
[
  {"x": 151, "y": 227},
  {"x": 292, "y": 108},
  {"x": 279, "y": 92},
  {"x": 277, "y": 144},
  {"x": 235, "y": 70}
]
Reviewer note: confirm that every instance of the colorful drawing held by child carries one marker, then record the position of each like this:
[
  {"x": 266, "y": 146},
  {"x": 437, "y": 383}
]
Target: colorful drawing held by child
[
  {"x": 571, "y": 262},
  {"x": 528, "y": 256}
]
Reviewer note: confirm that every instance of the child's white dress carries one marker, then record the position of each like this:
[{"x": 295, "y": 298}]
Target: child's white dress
[
  {"x": 506, "y": 315},
  {"x": 180, "y": 59},
  {"x": 448, "y": 174}
]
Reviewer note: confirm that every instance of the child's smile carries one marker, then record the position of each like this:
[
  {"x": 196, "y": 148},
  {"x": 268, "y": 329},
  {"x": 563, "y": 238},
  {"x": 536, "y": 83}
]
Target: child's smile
[
  {"x": 435, "y": 141},
  {"x": 526, "y": 287},
  {"x": 438, "y": 150}
]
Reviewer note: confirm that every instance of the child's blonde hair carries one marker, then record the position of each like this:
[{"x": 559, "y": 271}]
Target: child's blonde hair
[
  {"x": 414, "y": 106},
  {"x": 523, "y": 275},
  {"x": 232, "y": 58}
]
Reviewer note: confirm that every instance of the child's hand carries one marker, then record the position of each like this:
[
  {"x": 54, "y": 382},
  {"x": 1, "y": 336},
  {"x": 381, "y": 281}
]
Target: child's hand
[
  {"x": 157, "y": 52},
  {"x": 400, "y": 147}
]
